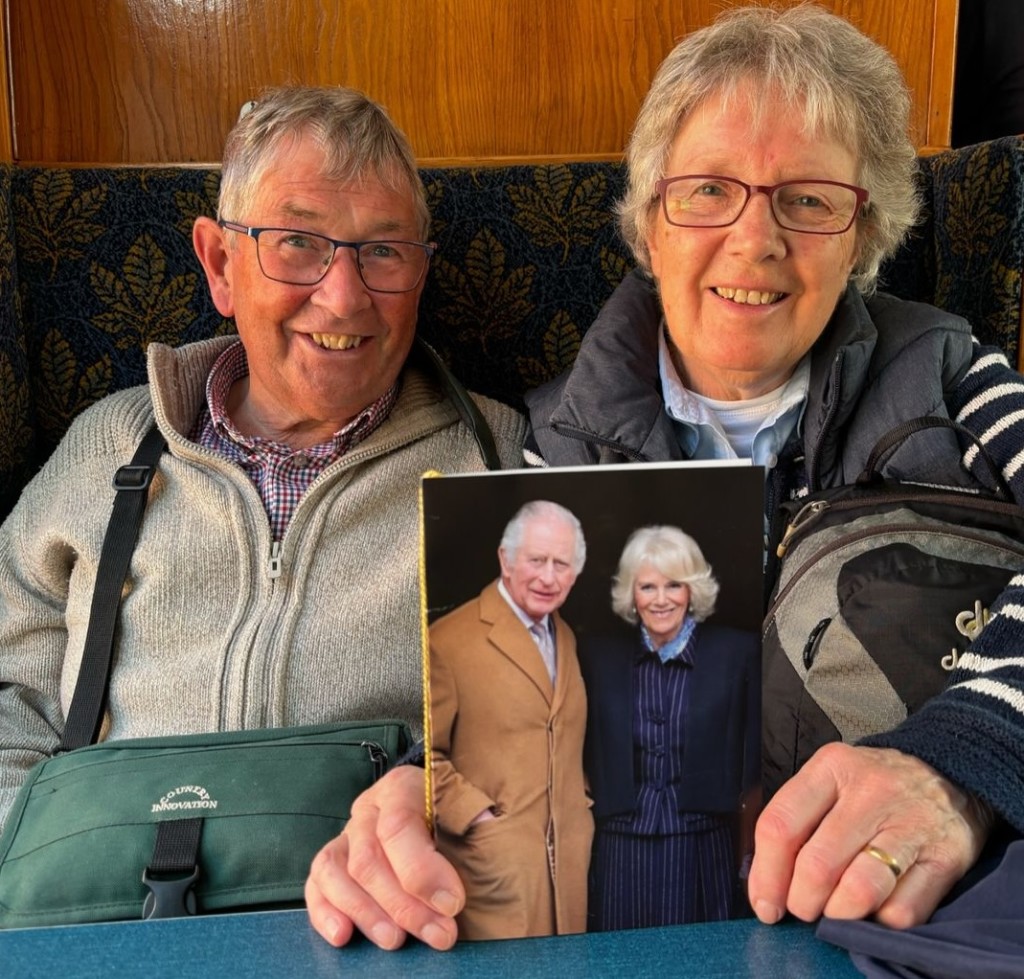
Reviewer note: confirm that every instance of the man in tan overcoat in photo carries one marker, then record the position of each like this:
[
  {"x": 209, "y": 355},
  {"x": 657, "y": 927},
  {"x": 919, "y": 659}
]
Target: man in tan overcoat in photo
[{"x": 508, "y": 712}]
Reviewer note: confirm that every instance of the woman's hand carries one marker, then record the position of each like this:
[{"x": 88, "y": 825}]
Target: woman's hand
[
  {"x": 383, "y": 875},
  {"x": 810, "y": 855}
]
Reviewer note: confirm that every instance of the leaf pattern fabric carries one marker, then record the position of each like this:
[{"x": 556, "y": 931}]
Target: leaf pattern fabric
[{"x": 95, "y": 264}]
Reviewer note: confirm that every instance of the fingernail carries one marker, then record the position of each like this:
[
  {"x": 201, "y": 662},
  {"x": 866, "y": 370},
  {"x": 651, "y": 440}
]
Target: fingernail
[
  {"x": 767, "y": 912},
  {"x": 333, "y": 929},
  {"x": 437, "y": 937},
  {"x": 444, "y": 902},
  {"x": 385, "y": 935}
]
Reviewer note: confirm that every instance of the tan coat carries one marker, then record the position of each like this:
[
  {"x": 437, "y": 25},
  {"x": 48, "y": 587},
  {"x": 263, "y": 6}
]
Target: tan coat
[{"x": 502, "y": 737}]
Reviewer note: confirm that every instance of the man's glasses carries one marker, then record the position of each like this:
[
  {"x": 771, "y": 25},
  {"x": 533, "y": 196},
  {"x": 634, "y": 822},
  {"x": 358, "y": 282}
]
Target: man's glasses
[
  {"x": 814, "y": 207},
  {"x": 301, "y": 258}
]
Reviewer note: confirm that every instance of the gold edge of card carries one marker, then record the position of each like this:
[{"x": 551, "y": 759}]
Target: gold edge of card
[{"x": 428, "y": 768}]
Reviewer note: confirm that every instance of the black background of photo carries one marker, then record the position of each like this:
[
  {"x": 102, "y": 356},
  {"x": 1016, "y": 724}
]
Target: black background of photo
[{"x": 721, "y": 507}]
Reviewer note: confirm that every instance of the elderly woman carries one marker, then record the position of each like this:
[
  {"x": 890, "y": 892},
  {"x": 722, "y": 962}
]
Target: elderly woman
[
  {"x": 769, "y": 175},
  {"x": 672, "y": 752}
]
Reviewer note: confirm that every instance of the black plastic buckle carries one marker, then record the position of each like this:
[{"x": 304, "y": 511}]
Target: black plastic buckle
[
  {"x": 173, "y": 897},
  {"x": 133, "y": 478}
]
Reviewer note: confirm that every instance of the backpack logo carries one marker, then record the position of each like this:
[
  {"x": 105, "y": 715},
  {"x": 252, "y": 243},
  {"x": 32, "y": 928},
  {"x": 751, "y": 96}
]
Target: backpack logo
[
  {"x": 172, "y": 802},
  {"x": 969, "y": 623}
]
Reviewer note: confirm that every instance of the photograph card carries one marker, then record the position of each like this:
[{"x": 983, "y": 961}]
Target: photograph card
[{"x": 592, "y": 686}]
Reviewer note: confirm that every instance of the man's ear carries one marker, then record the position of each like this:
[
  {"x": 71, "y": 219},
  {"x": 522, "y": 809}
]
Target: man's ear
[{"x": 212, "y": 251}]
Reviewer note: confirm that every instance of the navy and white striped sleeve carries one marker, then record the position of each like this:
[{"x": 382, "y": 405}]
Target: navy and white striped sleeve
[
  {"x": 974, "y": 731},
  {"x": 990, "y": 402}
]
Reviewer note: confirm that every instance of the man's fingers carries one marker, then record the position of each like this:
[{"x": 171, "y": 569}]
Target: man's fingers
[
  {"x": 870, "y": 879},
  {"x": 392, "y": 853},
  {"x": 383, "y": 875},
  {"x": 337, "y": 904},
  {"x": 330, "y": 923},
  {"x": 409, "y": 882},
  {"x": 914, "y": 899}
]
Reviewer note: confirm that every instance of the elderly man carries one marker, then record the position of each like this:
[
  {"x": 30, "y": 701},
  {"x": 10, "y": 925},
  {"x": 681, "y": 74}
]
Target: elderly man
[
  {"x": 516, "y": 821},
  {"x": 275, "y": 578}
]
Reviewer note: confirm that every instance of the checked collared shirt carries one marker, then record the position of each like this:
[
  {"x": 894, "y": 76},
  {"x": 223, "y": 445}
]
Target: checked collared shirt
[{"x": 280, "y": 473}]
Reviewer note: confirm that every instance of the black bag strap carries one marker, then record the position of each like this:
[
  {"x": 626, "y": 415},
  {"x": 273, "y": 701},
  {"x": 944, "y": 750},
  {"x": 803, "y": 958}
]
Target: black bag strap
[
  {"x": 132, "y": 485},
  {"x": 464, "y": 404},
  {"x": 895, "y": 437},
  {"x": 173, "y": 869}
]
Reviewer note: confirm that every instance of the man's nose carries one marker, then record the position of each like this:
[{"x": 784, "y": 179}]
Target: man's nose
[{"x": 342, "y": 289}]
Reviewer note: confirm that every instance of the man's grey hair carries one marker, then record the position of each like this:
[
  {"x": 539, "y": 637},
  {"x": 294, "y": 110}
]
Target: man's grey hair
[
  {"x": 355, "y": 133},
  {"x": 848, "y": 88},
  {"x": 512, "y": 538}
]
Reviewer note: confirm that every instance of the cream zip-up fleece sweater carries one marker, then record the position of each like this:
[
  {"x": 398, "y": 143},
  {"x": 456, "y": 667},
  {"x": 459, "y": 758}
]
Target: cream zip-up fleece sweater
[{"x": 209, "y": 638}]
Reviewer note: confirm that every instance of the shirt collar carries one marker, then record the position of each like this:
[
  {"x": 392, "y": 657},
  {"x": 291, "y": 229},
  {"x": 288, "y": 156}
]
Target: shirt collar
[
  {"x": 520, "y": 614},
  {"x": 677, "y": 648},
  {"x": 699, "y": 433},
  {"x": 233, "y": 365}
]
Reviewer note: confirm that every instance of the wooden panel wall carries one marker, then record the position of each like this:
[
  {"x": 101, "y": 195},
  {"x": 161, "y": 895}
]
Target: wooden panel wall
[{"x": 152, "y": 81}]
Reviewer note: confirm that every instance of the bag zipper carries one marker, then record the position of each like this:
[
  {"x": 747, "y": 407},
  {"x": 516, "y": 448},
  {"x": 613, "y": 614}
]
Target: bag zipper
[
  {"x": 378, "y": 756},
  {"x": 812, "y": 511},
  {"x": 875, "y": 531}
]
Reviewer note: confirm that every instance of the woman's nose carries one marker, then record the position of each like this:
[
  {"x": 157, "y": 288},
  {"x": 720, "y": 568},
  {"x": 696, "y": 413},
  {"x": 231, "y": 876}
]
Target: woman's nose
[{"x": 755, "y": 233}]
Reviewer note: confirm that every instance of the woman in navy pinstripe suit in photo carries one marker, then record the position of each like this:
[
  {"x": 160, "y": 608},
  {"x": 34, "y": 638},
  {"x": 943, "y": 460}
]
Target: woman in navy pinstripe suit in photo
[{"x": 672, "y": 752}]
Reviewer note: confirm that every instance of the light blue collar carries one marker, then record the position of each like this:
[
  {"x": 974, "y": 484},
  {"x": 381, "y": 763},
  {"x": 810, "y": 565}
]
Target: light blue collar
[
  {"x": 675, "y": 648},
  {"x": 698, "y": 430}
]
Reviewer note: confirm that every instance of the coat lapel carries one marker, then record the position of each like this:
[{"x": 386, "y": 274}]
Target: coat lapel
[
  {"x": 565, "y": 658},
  {"x": 509, "y": 636}
]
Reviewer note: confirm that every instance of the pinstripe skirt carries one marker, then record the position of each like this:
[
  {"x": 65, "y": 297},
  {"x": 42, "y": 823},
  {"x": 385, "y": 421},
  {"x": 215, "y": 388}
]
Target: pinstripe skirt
[{"x": 645, "y": 881}]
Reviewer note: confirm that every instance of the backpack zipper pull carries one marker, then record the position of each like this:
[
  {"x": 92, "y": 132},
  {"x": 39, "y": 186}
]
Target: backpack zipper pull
[{"x": 806, "y": 513}]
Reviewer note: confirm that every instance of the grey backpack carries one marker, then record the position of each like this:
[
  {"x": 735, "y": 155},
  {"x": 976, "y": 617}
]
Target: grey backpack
[{"x": 880, "y": 587}]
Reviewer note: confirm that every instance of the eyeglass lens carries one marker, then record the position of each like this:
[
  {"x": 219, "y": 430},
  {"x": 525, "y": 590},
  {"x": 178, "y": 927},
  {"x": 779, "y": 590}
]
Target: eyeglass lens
[
  {"x": 303, "y": 258},
  {"x": 695, "y": 202}
]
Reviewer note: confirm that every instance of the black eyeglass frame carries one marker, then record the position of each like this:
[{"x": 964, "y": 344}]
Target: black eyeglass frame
[
  {"x": 429, "y": 247},
  {"x": 768, "y": 190}
]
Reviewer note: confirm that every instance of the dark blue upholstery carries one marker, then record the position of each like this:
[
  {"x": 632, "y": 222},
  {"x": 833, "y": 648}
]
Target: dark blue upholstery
[{"x": 97, "y": 263}]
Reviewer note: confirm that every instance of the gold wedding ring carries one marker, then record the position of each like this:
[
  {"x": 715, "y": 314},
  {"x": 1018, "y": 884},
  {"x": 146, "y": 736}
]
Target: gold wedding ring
[{"x": 890, "y": 861}]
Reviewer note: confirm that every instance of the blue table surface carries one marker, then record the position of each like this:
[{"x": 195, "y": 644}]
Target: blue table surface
[{"x": 282, "y": 944}]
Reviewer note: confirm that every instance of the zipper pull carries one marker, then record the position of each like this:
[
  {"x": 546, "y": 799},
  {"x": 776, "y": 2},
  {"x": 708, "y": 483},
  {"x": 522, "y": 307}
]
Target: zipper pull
[
  {"x": 379, "y": 758},
  {"x": 806, "y": 513},
  {"x": 274, "y": 570}
]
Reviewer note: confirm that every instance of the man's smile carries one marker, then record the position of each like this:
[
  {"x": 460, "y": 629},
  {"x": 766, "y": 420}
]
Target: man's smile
[{"x": 336, "y": 341}]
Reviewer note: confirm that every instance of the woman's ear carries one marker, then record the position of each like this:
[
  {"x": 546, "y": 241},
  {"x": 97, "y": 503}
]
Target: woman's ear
[{"x": 212, "y": 251}]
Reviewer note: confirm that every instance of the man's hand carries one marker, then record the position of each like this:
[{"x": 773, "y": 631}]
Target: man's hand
[
  {"x": 810, "y": 840},
  {"x": 383, "y": 875}
]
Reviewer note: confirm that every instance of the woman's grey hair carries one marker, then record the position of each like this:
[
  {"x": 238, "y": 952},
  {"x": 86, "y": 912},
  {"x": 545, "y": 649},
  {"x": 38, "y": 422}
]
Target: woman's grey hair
[
  {"x": 514, "y": 529},
  {"x": 677, "y": 556},
  {"x": 850, "y": 88},
  {"x": 354, "y": 132}
]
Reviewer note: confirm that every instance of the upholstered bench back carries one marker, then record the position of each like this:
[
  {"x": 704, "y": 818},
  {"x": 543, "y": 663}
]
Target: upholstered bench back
[{"x": 97, "y": 263}]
